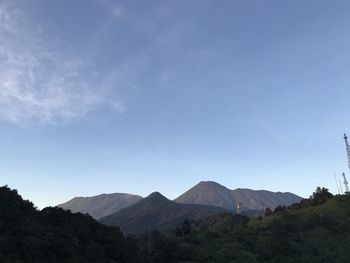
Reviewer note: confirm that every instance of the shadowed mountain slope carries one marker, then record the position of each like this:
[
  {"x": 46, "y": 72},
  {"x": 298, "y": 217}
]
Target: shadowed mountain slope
[
  {"x": 212, "y": 193},
  {"x": 157, "y": 212},
  {"x": 100, "y": 205}
]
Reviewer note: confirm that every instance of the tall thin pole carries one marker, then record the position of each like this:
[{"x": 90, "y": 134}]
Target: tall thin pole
[
  {"x": 347, "y": 149},
  {"x": 341, "y": 188},
  {"x": 345, "y": 183},
  {"x": 336, "y": 182},
  {"x": 348, "y": 155}
]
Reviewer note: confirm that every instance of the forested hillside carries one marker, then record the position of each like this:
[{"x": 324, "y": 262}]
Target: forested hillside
[
  {"x": 54, "y": 235},
  {"x": 315, "y": 230}
]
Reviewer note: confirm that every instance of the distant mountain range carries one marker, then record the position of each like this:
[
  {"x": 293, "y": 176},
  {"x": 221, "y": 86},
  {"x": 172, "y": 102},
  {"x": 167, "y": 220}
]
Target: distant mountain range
[
  {"x": 157, "y": 212},
  {"x": 212, "y": 193},
  {"x": 100, "y": 205},
  {"x": 134, "y": 214}
]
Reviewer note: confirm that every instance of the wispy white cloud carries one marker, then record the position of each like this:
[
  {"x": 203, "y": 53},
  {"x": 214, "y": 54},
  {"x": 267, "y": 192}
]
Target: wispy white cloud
[{"x": 41, "y": 83}]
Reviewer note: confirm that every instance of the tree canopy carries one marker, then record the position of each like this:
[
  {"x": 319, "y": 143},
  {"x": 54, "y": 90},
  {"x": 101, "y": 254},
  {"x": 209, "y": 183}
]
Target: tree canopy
[{"x": 315, "y": 230}]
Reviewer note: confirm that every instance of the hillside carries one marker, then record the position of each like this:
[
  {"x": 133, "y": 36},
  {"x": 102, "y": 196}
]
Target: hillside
[
  {"x": 100, "y": 205},
  {"x": 212, "y": 193},
  {"x": 156, "y": 212},
  {"x": 54, "y": 235},
  {"x": 315, "y": 230}
]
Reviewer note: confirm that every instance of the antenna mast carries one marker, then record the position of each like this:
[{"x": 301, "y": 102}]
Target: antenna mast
[
  {"x": 346, "y": 184},
  {"x": 341, "y": 188},
  {"x": 348, "y": 155},
  {"x": 335, "y": 178}
]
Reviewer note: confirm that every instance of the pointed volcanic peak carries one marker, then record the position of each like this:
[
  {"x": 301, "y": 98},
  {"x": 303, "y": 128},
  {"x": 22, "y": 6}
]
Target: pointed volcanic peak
[
  {"x": 157, "y": 212},
  {"x": 153, "y": 200},
  {"x": 101, "y": 205},
  {"x": 207, "y": 193},
  {"x": 214, "y": 194},
  {"x": 156, "y": 197}
]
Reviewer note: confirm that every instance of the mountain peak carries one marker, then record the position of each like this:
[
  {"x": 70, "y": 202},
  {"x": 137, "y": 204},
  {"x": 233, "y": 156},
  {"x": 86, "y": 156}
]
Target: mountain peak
[
  {"x": 209, "y": 185},
  {"x": 156, "y": 195},
  {"x": 207, "y": 182},
  {"x": 156, "y": 211},
  {"x": 214, "y": 194}
]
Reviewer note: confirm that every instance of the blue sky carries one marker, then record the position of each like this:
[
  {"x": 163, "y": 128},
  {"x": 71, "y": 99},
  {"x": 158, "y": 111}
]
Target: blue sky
[{"x": 135, "y": 96}]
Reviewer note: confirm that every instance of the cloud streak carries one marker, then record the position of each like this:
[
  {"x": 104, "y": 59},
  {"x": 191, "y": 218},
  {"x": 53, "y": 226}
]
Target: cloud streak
[{"x": 39, "y": 83}]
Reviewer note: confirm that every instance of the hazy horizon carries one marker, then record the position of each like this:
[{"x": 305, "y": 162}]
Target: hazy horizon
[{"x": 107, "y": 96}]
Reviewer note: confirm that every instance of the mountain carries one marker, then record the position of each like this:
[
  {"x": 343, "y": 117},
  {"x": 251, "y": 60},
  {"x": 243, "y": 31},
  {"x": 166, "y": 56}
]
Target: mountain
[
  {"x": 212, "y": 193},
  {"x": 157, "y": 212},
  {"x": 204, "y": 193},
  {"x": 101, "y": 205}
]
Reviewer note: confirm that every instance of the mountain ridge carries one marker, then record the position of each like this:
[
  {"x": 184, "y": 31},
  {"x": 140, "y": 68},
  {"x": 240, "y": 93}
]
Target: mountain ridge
[
  {"x": 208, "y": 193},
  {"x": 213, "y": 193},
  {"x": 100, "y": 205},
  {"x": 157, "y": 212}
]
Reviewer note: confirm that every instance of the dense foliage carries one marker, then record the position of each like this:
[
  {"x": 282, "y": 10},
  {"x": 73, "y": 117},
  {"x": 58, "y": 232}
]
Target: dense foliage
[
  {"x": 55, "y": 235},
  {"x": 315, "y": 230}
]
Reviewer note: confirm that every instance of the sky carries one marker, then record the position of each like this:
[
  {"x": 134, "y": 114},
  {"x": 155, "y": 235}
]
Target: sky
[{"x": 105, "y": 96}]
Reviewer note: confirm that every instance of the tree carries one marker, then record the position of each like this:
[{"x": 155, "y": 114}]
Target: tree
[
  {"x": 268, "y": 212},
  {"x": 320, "y": 196}
]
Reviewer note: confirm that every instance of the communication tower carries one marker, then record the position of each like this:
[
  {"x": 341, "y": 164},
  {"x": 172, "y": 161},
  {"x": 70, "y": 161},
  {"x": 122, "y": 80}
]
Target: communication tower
[{"x": 348, "y": 155}]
